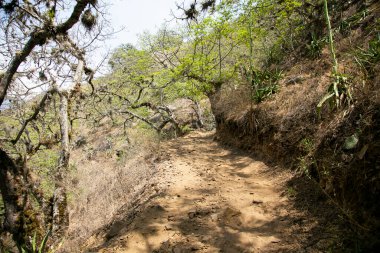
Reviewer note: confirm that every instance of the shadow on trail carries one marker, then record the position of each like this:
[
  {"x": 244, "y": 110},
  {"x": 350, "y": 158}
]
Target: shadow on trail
[
  {"x": 310, "y": 225},
  {"x": 197, "y": 229}
]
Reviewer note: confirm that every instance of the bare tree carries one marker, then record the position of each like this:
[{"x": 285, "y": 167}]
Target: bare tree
[{"x": 43, "y": 52}]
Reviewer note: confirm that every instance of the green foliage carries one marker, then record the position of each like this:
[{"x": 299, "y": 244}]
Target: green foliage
[
  {"x": 195, "y": 61},
  {"x": 210, "y": 58},
  {"x": 44, "y": 163},
  {"x": 42, "y": 245},
  {"x": 303, "y": 166},
  {"x": 275, "y": 55},
  {"x": 45, "y": 160},
  {"x": 262, "y": 93},
  {"x": 347, "y": 24},
  {"x": 291, "y": 191},
  {"x": 185, "y": 129},
  {"x": 304, "y": 161},
  {"x": 368, "y": 58},
  {"x": 314, "y": 49},
  {"x": 330, "y": 38},
  {"x": 264, "y": 83},
  {"x": 35, "y": 246},
  {"x": 307, "y": 145},
  {"x": 338, "y": 93}
]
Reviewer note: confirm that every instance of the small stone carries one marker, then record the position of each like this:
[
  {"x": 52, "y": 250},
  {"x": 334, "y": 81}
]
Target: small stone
[
  {"x": 168, "y": 228},
  {"x": 351, "y": 142},
  {"x": 192, "y": 214},
  {"x": 257, "y": 202},
  {"x": 214, "y": 217}
]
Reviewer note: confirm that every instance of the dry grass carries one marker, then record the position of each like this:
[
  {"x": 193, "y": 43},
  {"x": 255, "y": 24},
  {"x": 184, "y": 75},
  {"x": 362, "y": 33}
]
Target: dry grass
[
  {"x": 234, "y": 100},
  {"x": 106, "y": 177}
]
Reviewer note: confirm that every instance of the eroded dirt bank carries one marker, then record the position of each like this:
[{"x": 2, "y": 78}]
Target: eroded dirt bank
[{"x": 208, "y": 198}]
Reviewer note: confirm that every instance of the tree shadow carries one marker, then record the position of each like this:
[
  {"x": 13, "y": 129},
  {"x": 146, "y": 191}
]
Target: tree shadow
[{"x": 306, "y": 222}]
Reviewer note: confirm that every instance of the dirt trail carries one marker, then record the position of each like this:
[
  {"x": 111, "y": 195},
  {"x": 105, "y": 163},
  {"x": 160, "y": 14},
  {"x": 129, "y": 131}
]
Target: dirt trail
[{"x": 207, "y": 199}]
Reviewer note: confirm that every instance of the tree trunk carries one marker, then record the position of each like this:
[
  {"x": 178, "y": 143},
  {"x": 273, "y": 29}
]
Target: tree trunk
[
  {"x": 198, "y": 112},
  {"x": 214, "y": 99},
  {"x": 63, "y": 162},
  {"x": 13, "y": 193},
  {"x": 60, "y": 218}
]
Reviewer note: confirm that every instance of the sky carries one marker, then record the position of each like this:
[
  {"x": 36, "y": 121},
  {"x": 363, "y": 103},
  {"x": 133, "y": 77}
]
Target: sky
[
  {"x": 137, "y": 16},
  {"x": 131, "y": 18}
]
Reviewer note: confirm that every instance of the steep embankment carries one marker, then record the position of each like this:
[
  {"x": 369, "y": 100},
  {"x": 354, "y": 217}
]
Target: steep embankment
[
  {"x": 208, "y": 198},
  {"x": 338, "y": 149}
]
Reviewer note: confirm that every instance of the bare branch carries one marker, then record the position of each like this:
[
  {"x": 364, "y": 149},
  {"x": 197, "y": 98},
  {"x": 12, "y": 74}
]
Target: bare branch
[
  {"x": 35, "y": 114},
  {"x": 39, "y": 37},
  {"x": 142, "y": 119}
]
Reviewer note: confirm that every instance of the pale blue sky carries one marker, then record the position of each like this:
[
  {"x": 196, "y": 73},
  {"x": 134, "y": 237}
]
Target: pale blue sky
[
  {"x": 133, "y": 17},
  {"x": 138, "y": 16}
]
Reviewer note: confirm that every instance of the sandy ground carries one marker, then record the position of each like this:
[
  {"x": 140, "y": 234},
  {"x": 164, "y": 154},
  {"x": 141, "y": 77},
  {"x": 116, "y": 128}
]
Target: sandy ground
[{"x": 206, "y": 198}]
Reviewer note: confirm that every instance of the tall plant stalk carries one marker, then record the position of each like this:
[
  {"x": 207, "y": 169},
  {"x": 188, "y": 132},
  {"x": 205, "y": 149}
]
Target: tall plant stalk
[
  {"x": 332, "y": 51},
  {"x": 249, "y": 28},
  {"x": 331, "y": 40}
]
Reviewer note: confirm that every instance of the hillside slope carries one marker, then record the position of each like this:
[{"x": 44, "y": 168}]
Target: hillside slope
[{"x": 337, "y": 148}]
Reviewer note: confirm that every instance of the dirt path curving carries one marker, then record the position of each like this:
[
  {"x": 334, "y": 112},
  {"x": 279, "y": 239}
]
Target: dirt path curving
[{"x": 208, "y": 199}]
